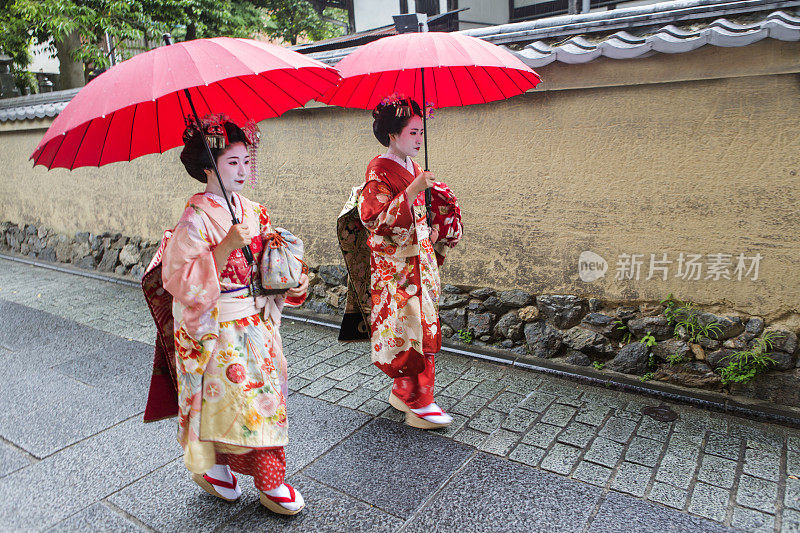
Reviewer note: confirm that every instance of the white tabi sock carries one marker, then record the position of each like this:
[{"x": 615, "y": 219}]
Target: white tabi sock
[
  {"x": 282, "y": 491},
  {"x": 223, "y": 473},
  {"x": 442, "y": 418}
]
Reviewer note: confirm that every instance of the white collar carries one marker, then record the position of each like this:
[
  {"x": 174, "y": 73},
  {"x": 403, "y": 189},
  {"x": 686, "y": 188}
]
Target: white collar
[{"x": 408, "y": 164}]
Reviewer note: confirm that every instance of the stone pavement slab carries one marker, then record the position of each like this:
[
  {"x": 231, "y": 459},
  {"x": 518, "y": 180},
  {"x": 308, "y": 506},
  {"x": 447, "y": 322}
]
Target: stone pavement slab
[
  {"x": 166, "y": 499},
  {"x": 327, "y": 511},
  {"x": 98, "y": 517},
  {"x": 78, "y": 351},
  {"x": 389, "y": 465},
  {"x": 78, "y": 476},
  {"x": 623, "y": 515},
  {"x": 521, "y": 498}
]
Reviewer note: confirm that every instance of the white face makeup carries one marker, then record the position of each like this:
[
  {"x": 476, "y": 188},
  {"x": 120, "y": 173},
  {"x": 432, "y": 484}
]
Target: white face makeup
[
  {"x": 409, "y": 140},
  {"x": 234, "y": 168}
]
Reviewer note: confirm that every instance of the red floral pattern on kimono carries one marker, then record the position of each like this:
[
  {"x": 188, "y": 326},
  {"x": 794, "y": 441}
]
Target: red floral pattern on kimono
[{"x": 404, "y": 280}]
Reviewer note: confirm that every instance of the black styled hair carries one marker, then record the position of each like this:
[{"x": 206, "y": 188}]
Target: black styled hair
[
  {"x": 194, "y": 156},
  {"x": 389, "y": 120}
]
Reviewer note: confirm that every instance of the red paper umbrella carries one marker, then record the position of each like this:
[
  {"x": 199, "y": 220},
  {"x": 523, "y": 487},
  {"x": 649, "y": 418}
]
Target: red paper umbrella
[
  {"x": 139, "y": 106},
  {"x": 457, "y": 69},
  {"x": 445, "y": 69}
]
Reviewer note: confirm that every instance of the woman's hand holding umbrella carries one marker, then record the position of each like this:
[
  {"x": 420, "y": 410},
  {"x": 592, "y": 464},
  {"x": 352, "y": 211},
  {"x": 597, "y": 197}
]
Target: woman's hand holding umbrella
[
  {"x": 423, "y": 182},
  {"x": 238, "y": 237}
]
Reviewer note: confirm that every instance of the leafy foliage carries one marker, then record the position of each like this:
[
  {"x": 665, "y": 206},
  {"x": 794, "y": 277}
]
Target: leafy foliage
[
  {"x": 128, "y": 23},
  {"x": 598, "y": 365},
  {"x": 628, "y": 335},
  {"x": 290, "y": 19},
  {"x": 465, "y": 335},
  {"x": 745, "y": 365},
  {"x": 685, "y": 317},
  {"x": 648, "y": 340},
  {"x": 676, "y": 359}
]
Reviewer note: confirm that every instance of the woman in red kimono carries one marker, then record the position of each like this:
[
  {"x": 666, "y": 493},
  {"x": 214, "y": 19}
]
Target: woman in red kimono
[{"x": 404, "y": 258}]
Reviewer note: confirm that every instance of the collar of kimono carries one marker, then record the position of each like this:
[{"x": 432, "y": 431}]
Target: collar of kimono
[
  {"x": 218, "y": 211},
  {"x": 395, "y": 175}
]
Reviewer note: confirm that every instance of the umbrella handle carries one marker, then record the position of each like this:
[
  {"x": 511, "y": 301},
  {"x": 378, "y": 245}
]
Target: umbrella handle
[
  {"x": 428, "y": 196},
  {"x": 248, "y": 253}
]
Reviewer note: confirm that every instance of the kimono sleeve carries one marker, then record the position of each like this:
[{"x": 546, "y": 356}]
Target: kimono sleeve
[
  {"x": 446, "y": 219},
  {"x": 189, "y": 272},
  {"x": 386, "y": 215}
]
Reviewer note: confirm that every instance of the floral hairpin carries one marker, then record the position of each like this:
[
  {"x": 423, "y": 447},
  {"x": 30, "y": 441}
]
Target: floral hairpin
[
  {"x": 401, "y": 104},
  {"x": 212, "y": 127},
  {"x": 429, "y": 108}
]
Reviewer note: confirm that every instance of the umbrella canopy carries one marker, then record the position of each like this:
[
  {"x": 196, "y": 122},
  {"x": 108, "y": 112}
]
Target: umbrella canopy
[
  {"x": 138, "y": 107},
  {"x": 458, "y": 69}
]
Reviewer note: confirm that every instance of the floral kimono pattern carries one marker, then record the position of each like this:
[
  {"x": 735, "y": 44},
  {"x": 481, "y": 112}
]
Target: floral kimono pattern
[
  {"x": 229, "y": 364},
  {"x": 404, "y": 281}
]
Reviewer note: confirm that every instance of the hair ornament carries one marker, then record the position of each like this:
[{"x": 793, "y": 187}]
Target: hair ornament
[
  {"x": 212, "y": 127},
  {"x": 401, "y": 104},
  {"x": 253, "y": 136}
]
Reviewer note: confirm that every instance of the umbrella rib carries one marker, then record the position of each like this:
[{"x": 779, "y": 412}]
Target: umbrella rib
[
  {"x": 180, "y": 104},
  {"x": 435, "y": 88},
  {"x": 374, "y": 88},
  {"x": 105, "y": 139},
  {"x": 133, "y": 121},
  {"x": 355, "y": 91},
  {"x": 512, "y": 80},
  {"x": 55, "y": 152},
  {"x": 158, "y": 130},
  {"x": 256, "y": 93},
  {"x": 476, "y": 84},
  {"x": 202, "y": 96},
  {"x": 313, "y": 71},
  {"x": 455, "y": 84},
  {"x": 221, "y": 88},
  {"x": 495, "y": 83},
  {"x": 291, "y": 75},
  {"x": 414, "y": 85},
  {"x": 78, "y": 149}
]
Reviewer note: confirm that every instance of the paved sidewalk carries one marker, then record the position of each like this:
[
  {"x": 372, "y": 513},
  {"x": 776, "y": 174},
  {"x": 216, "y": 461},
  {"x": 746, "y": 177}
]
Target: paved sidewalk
[{"x": 526, "y": 453}]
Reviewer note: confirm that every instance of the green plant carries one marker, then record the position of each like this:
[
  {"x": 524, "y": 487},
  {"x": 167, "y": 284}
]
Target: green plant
[
  {"x": 686, "y": 317},
  {"x": 647, "y": 377},
  {"x": 670, "y": 306},
  {"x": 652, "y": 363},
  {"x": 676, "y": 359},
  {"x": 627, "y": 336},
  {"x": 598, "y": 365},
  {"x": 466, "y": 336},
  {"x": 648, "y": 340},
  {"x": 745, "y": 365}
]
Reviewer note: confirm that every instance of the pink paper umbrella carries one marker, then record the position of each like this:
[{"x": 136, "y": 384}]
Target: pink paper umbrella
[
  {"x": 139, "y": 107},
  {"x": 458, "y": 70},
  {"x": 444, "y": 69}
]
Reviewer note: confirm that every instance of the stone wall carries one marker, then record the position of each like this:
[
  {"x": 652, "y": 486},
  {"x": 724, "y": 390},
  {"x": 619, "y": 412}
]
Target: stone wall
[{"x": 636, "y": 340}]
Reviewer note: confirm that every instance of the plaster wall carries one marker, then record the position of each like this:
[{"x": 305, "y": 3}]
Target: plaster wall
[{"x": 694, "y": 166}]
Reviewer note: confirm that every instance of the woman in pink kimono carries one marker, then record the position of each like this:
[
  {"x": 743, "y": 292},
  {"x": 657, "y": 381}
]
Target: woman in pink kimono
[
  {"x": 404, "y": 253},
  {"x": 229, "y": 364}
]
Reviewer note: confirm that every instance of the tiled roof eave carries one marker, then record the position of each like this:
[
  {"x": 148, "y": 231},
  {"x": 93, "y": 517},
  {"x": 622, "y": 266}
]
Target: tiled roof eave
[{"x": 667, "y": 40}]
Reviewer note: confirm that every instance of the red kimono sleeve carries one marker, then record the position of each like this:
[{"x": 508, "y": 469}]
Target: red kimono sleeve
[{"x": 386, "y": 215}]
